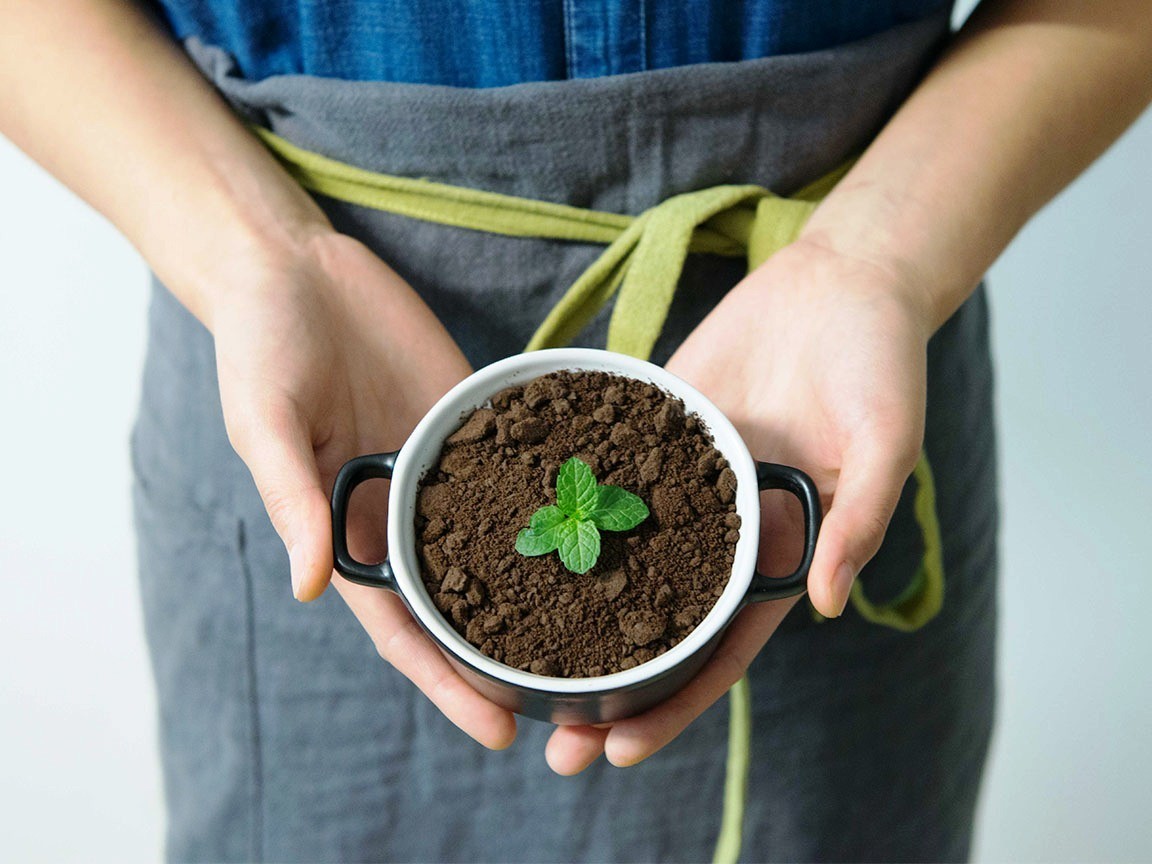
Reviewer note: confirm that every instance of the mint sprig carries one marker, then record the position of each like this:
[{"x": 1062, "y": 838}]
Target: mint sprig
[{"x": 582, "y": 510}]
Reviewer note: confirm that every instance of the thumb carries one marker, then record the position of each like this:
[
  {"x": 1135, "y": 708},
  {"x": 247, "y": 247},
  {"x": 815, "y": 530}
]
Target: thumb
[
  {"x": 275, "y": 444},
  {"x": 862, "y": 505}
]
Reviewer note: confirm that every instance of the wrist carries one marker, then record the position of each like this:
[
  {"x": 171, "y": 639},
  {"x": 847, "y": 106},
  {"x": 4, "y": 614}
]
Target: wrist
[
  {"x": 241, "y": 220},
  {"x": 903, "y": 240},
  {"x": 891, "y": 280}
]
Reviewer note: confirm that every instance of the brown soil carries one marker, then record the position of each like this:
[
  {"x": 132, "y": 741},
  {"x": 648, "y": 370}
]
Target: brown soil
[{"x": 650, "y": 587}]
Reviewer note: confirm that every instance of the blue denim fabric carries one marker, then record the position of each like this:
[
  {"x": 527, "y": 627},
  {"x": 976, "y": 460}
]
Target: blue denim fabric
[{"x": 490, "y": 43}]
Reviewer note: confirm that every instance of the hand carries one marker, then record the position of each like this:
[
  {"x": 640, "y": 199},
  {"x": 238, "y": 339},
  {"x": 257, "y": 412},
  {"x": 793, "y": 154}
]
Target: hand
[
  {"x": 324, "y": 353},
  {"x": 820, "y": 361}
]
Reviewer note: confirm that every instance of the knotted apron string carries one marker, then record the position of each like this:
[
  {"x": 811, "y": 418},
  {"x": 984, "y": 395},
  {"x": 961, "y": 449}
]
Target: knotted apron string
[{"x": 641, "y": 266}]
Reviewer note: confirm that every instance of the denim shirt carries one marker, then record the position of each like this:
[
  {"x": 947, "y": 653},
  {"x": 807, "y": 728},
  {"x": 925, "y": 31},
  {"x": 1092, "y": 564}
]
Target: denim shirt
[{"x": 491, "y": 43}]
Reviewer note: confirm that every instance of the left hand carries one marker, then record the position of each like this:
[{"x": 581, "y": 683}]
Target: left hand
[{"x": 819, "y": 359}]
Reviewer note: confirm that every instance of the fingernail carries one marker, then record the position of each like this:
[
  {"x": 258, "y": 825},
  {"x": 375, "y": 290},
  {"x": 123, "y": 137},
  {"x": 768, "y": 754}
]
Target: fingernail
[
  {"x": 842, "y": 586},
  {"x": 296, "y": 565}
]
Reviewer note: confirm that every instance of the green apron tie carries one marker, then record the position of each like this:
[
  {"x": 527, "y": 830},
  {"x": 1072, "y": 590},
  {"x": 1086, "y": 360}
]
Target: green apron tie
[
  {"x": 645, "y": 261},
  {"x": 641, "y": 266},
  {"x": 645, "y": 253}
]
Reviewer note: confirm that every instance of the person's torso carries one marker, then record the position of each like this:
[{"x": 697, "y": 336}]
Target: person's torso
[{"x": 490, "y": 43}]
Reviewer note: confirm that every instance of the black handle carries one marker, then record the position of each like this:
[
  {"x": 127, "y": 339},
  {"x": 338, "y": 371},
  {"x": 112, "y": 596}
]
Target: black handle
[
  {"x": 772, "y": 476},
  {"x": 378, "y": 466}
]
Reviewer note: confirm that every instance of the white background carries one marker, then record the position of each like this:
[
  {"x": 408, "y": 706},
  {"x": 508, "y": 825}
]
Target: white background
[{"x": 1071, "y": 773}]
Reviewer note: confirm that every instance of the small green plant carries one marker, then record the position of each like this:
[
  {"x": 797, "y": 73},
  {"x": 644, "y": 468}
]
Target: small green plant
[{"x": 582, "y": 510}]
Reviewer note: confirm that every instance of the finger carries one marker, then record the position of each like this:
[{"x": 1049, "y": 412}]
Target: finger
[
  {"x": 571, "y": 749},
  {"x": 866, "y": 495},
  {"x": 275, "y": 444},
  {"x": 635, "y": 739},
  {"x": 400, "y": 641}
]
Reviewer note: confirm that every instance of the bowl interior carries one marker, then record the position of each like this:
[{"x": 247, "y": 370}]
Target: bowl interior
[{"x": 422, "y": 450}]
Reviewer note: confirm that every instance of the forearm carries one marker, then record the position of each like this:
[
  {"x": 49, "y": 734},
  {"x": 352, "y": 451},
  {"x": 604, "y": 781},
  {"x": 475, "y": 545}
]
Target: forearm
[
  {"x": 1028, "y": 95},
  {"x": 104, "y": 100}
]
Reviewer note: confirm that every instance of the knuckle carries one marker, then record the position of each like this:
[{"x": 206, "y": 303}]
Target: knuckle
[
  {"x": 439, "y": 689},
  {"x": 729, "y": 667},
  {"x": 870, "y": 531},
  {"x": 239, "y": 432},
  {"x": 254, "y": 419},
  {"x": 907, "y": 455},
  {"x": 393, "y": 645},
  {"x": 278, "y": 506}
]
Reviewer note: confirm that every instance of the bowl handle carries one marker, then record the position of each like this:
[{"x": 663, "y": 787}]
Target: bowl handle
[
  {"x": 377, "y": 466},
  {"x": 772, "y": 476}
]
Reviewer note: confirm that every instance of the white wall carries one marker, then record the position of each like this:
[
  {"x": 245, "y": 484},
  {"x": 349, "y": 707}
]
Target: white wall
[
  {"x": 1071, "y": 775},
  {"x": 1071, "y": 769},
  {"x": 79, "y": 778}
]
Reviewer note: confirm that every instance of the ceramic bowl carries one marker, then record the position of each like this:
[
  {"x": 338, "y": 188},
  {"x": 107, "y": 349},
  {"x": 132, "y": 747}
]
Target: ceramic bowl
[{"x": 568, "y": 700}]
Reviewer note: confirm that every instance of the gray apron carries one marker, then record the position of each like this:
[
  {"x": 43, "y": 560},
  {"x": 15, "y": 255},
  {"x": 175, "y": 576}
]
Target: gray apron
[{"x": 285, "y": 737}]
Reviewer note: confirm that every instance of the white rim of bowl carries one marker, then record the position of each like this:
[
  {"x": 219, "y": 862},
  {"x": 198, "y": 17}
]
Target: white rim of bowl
[{"x": 423, "y": 447}]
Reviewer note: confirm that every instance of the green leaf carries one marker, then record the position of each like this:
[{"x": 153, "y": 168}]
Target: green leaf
[
  {"x": 572, "y": 526},
  {"x": 546, "y": 518},
  {"x": 617, "y": 509},
  {"x": 579, "y": 544},
  {"x": 576, "y": 488},
  {"x": 529, "y": 542}
]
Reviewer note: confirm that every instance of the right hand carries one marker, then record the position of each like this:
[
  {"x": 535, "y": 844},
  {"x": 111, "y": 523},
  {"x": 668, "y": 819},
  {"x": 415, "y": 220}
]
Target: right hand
[{"x": 324, "y": 353}]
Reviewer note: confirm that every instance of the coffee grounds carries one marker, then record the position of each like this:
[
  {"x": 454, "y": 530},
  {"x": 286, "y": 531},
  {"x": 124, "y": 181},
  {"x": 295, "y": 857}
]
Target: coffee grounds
[{"x": 650, "y": 586}]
